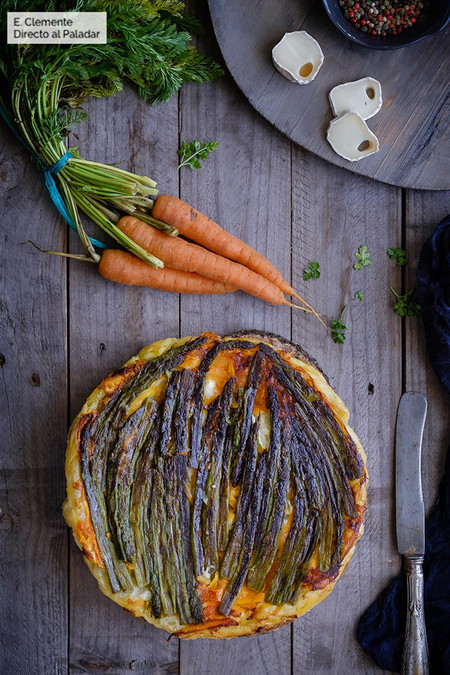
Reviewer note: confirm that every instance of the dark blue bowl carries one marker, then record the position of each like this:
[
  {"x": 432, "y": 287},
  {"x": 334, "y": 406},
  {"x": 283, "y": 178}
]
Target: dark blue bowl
[{"x": 437, "y": 17}]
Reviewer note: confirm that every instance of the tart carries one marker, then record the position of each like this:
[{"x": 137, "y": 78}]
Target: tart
[{"x": 214, "y": 485}]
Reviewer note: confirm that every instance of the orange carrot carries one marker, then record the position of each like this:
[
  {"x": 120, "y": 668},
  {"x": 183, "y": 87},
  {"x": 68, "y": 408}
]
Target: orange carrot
[
  {"x": 125, "y": 268},
  {"x": 201, "y": 229},
  {"x": 182, "y": 255}
]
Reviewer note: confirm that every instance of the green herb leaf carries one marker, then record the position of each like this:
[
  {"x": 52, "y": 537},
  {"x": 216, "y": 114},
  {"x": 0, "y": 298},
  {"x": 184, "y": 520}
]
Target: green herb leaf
[
  {"x": 192, "y": 153},
  {"x": 397, "y": 254},
  {"x": 406, "y": 305},
  {"x": 359, "y": 295},
  {"x": 312, "y": 271},
  {"x": 362, "y": 257},
  {"x": 338, "y": 328}
]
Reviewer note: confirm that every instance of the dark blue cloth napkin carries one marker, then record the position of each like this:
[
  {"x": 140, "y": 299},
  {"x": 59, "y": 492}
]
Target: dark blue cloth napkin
[{"x": 381, "y": 628}]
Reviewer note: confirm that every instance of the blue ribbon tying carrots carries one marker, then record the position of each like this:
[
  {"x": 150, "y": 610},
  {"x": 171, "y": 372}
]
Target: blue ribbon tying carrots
[{"x": 49, "y": 172}]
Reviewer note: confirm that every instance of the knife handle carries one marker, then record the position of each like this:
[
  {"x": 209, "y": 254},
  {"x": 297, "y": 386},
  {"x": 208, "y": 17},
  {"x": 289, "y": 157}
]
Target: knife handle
[{"x": 415, "y": 649}]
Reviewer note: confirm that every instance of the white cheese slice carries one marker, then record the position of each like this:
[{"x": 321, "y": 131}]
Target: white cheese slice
[
  {"x": 362, "y": 96},
  {"x": 351, "y": 138},
  {"x": 298, "y": 57},
  {"x": 211, "y": 389}
]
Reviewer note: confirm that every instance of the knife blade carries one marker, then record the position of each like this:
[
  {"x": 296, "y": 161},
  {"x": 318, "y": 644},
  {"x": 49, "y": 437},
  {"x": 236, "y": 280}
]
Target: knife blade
[
  {"x": 410, "y": 511},
  {"x": 410, "y": 521}
]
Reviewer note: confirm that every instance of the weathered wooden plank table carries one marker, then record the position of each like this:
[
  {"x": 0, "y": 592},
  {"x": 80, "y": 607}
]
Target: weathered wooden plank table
[{"x": 62, "y": 328}]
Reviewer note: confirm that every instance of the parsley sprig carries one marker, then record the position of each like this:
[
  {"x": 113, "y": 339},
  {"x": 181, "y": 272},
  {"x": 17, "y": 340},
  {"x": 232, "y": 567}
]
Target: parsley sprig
[
  {"x": 338, "y": 328},
  {"x": 362, "y": 257},
  {"x": 192, "y": 153},
  {"x": 406, "y": 305},
  {"x": 312, "y": 271},
  {"x": 399, "y": 255},
  {"x": 359, "y": 295}
]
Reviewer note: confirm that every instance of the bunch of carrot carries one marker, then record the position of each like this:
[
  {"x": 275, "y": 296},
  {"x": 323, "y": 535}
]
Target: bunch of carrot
[{"x": 211, "y": 262}]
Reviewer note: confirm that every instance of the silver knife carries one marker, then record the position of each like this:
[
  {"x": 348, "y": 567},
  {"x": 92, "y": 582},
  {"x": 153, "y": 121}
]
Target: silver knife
[{"x": 410, "y": 520}]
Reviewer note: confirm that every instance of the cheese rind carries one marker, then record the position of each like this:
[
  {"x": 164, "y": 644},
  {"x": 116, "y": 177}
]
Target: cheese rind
[
  {"x": 351, "y": 138},
  {"x": 298, "y": 57},
  {"x": 361, "y": 96}
]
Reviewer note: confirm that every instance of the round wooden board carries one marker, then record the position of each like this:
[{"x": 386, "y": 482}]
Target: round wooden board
[{"x": 413, "y": 124}]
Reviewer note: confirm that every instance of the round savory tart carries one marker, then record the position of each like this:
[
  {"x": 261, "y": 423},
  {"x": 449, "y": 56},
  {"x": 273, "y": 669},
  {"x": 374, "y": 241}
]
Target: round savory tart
[{"x": 214, "y": 485}]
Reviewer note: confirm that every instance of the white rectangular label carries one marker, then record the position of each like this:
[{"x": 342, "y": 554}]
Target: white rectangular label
[{"x": 64, "y": 28}]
